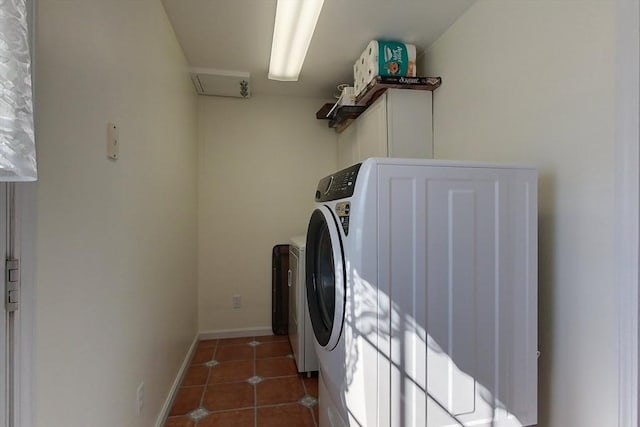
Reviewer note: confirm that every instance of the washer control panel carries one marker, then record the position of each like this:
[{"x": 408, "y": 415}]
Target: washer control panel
[{"x": 340, "y": 185}]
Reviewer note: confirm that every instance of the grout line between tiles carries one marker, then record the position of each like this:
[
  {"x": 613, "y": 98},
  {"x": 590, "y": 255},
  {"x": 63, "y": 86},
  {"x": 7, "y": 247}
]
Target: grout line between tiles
[
  {"x": 241, "y": 408},
  {"x": 255, "y": 387},
  {"x": 222, "y": 411},
  {"x": 206, "y": 383},
  {"x": 277, "y": 405},
  {"x": 313, "y": 416},
  {"x": 306, "y": 393}
]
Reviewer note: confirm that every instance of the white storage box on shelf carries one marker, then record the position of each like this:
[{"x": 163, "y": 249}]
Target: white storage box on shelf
[{"x": 397, "y": 124}]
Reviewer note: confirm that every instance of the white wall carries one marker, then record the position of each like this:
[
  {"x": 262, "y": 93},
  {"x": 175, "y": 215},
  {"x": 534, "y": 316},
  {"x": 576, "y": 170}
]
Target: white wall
[
  {"x": 116, "y": 241},
  {"x": 533, "y": 82},
  {"x": 260, "y": 162}
]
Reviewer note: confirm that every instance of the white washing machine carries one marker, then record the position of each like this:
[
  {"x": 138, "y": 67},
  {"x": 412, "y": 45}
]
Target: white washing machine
[
  {"x": 421, "y": 282},
  {"x": 300, "y": 330}
]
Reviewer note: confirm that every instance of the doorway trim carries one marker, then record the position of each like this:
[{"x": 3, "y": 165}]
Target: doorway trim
[
  {"x": 25, "y": 250},
  {"x": 627, "y": 208}
]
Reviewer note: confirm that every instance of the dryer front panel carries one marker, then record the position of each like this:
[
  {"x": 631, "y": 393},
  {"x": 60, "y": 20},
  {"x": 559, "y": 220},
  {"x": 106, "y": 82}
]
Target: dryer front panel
[{"x": 325, "y": 277}]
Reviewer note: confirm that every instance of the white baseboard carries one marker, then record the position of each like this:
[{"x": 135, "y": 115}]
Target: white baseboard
[
  {"x": 164, "y": 413},
  {"x": 236, "y": 333}
]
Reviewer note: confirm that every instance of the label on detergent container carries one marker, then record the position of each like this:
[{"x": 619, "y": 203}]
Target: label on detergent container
[{"x": 394, "y": 58}]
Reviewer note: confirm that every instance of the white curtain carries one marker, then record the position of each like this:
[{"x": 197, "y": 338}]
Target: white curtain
[{"x": 17, "y": 144}]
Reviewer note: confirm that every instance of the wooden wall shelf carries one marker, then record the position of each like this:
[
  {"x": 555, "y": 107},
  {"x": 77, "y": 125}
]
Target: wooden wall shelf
[{"x": 344, "y": 115}]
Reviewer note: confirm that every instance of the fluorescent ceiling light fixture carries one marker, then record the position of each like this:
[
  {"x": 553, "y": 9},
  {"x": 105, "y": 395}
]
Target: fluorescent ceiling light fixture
[{"x": 295, "y": 22}]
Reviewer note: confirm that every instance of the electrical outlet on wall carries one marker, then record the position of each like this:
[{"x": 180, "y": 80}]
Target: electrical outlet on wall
[
  {"x": 236, "y": 301},
  {"x": 140, "y": 397}
]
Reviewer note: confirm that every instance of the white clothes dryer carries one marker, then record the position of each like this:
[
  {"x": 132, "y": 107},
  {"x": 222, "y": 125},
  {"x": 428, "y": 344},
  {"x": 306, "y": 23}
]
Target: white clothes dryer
[
  {"x": 300, "y": 331},
  {"x": 422, "y": 292}
]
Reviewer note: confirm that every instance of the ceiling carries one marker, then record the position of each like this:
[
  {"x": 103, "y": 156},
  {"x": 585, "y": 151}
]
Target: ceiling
[{"x": 235, "y": 35}]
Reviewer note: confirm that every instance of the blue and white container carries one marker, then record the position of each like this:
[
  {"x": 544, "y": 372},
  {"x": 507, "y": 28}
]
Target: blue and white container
[{"x": 384, "y": 58}]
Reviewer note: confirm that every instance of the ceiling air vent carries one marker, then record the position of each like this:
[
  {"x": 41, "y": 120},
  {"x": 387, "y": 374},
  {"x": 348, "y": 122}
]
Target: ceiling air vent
[{"x": 221, "y": 82}]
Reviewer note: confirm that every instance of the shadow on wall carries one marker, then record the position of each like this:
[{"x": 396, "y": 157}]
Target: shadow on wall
[{"x": 546, "y": 304}]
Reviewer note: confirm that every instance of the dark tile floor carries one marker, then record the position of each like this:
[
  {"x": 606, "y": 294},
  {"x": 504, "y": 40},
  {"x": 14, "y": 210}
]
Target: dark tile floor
[{"x": 240, "y": 382}]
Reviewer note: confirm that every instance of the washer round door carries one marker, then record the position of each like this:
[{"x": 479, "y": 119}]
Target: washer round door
[{"x": 325, "y": 277}]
